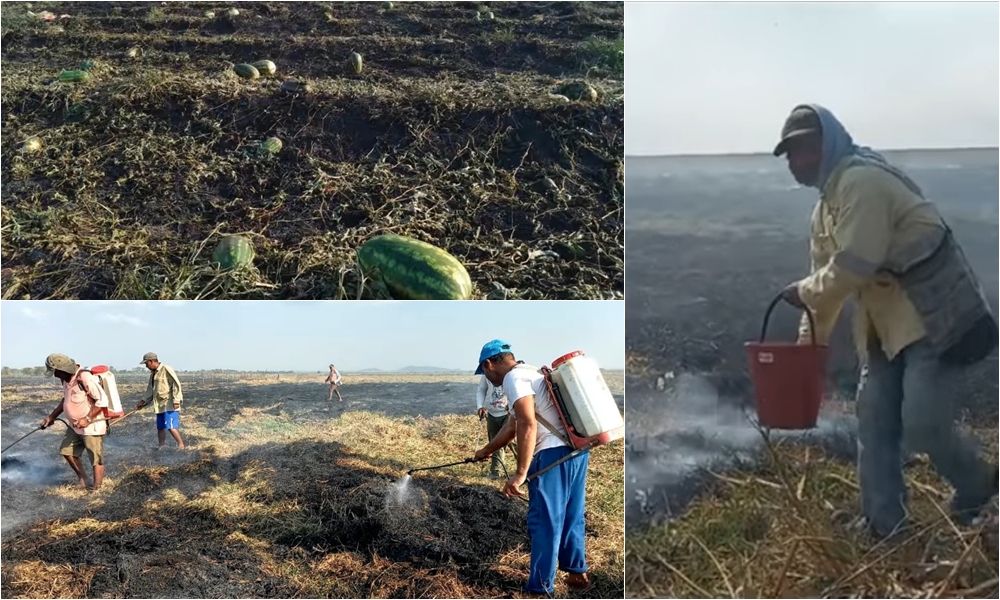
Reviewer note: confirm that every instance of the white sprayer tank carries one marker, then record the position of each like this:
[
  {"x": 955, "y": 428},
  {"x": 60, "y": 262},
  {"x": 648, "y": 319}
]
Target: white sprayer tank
[{"x": 589, "y": 403}]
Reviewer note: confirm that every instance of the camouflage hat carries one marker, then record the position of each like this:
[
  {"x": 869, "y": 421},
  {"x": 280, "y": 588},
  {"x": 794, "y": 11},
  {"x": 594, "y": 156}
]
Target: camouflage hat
[
  {"x": 149, "y": 356},
  {"x": 59, "y": 362}
]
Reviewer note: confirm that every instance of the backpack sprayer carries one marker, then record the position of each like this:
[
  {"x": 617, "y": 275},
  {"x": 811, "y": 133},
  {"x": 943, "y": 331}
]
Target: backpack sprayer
[
  {"x": 113, "y": 412},
  {"x": 586, "y": 408}
]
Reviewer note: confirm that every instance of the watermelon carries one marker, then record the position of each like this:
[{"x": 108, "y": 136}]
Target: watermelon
[
  {"x": 579, "y": 91},
  {"x": 233, "y": 252},
  {"x": 246, "y": 71},
  {"x": 296, "y": 87},
  {"x": 414, "y": 270},
  {"x": 232, "y": 13},
  {"x": 354, "y": 61},
  {"x": 32, "y": 144},
  {"x": 265, "y": 67},
  {"x": 74, "y": 76},
  {"x": 271, "y": 145},
  {"x": 387, "y": 5}
]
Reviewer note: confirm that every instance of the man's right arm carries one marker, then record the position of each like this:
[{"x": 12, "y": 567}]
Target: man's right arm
[{"x": 53, "y": 415}]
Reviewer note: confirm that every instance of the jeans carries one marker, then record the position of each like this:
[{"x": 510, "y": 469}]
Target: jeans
[
  {"x": 909, "y": 402},
  {"x": 557, "y": 502}
]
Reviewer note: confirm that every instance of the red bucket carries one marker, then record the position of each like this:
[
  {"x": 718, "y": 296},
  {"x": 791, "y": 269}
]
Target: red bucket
[{"x": 788, "y": 378}]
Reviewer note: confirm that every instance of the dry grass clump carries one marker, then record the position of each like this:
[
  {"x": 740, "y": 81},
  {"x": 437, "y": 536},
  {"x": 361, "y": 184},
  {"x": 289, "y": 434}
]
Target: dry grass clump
[{"x": 779, "y": 530}]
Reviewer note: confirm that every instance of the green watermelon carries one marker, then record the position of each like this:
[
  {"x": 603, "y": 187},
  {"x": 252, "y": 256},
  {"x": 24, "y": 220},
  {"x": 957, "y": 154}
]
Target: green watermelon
[
  {"x": 354, "y": 62},
  {"x": 414, "y": 270},
  {"x": 265, "y": 67},
  {"x": 296, "y": 87},
  {"x": 233, "y": 252},
  {"x": 73, "y": 76},
  {"x": 246, "y": 71},
  {"x": 271, "y": 145}
]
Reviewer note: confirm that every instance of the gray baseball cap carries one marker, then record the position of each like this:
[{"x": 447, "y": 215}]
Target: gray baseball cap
[
  {"x": 59, "y": 362},
  {"x": 802, "y": 121},
  {"x": 149, "y": 356}
]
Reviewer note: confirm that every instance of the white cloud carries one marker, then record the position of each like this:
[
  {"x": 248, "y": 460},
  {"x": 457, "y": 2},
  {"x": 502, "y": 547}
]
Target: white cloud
[
  {"x": 34, "y": 314},
  {"x": 123, "y": 319}
]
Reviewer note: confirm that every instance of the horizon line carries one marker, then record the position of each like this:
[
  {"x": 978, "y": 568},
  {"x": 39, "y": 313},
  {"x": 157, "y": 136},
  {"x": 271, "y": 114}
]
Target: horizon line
[{"x": 706, "y": 154}]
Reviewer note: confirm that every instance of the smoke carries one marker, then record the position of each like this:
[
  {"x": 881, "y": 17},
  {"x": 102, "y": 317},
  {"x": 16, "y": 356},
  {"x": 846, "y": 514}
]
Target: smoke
[
  {"x": 685, "y": 427},
  {"x": 16, "y": 470}
]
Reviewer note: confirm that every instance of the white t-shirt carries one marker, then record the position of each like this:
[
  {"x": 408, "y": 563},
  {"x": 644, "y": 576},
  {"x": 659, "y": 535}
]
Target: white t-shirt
[
  {"x": 492, "y": 398},
  {"x": 524, "y": 380}
]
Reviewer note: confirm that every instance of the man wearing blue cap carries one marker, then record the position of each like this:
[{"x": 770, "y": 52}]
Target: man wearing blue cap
[{"x": 556, "y": 501}]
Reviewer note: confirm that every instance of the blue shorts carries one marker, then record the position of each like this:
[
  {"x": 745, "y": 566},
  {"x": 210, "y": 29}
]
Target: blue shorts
[{"x": 168, "y": 420}]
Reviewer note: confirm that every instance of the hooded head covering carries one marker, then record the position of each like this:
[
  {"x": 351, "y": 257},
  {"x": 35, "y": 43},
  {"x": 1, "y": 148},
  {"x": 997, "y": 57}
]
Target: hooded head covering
[{"x": 839, "y": 145}]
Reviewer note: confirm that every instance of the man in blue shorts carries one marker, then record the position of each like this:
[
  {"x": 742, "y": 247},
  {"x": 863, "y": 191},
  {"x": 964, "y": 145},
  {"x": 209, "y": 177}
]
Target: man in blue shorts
[{"x": 164, "y": 391}]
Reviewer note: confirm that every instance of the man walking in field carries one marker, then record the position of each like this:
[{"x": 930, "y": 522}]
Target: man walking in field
[
  {"x": 164, "y": 391},
  {"x": 922, "y": 316},
  {"x": 83, "y": 401},
  {"x": 491, "y": 404},
  {"x": 334, "y": 380},
  {"x": 557, "y": 498}
]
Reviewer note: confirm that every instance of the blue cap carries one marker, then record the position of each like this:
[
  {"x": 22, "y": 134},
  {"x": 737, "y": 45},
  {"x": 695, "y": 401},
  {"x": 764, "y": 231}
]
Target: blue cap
[{"x": 492, "y": 348}]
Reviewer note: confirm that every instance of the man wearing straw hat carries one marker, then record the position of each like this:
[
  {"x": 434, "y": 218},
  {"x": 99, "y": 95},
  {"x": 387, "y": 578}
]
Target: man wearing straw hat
[
  {"x": 83, "y": 401},
  {"x": 922, "y": 315},
  {"x": 557, "y": 498}
]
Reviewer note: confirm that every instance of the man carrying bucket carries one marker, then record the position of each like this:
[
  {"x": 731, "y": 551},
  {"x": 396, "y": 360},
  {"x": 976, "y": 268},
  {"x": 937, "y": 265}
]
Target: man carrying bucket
[
  {"x": 922, "y": 315},
  {"x": 83, "y": 402},
  {"x": 556, "y": 500}
]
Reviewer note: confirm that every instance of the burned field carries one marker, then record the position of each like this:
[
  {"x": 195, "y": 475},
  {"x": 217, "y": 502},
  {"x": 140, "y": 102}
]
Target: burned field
[
  {"x": 716, "y": 509},
  {"x": 282, "y": 494},
  {"x": 454, "y": 133}
]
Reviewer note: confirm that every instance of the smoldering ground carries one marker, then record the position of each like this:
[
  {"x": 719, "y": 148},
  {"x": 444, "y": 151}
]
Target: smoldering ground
[{"x": 683, "y": 427}]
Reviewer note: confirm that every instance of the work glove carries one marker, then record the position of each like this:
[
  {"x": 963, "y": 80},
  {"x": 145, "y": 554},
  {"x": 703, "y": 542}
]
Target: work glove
[{"x": 791, "y": 295}]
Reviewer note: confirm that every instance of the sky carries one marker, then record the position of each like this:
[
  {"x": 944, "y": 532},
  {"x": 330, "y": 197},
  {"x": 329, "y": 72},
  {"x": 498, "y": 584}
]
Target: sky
[
  {"x": 308, "y": 335},
  {"x": 720, "y": 77}
]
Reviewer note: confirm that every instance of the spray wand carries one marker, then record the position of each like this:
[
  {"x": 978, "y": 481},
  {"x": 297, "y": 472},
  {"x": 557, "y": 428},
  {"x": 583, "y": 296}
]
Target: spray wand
[{"x": 39, "y": 428}]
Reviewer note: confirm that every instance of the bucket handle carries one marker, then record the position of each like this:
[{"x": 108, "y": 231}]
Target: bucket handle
[{"x": 767, "y": 318}]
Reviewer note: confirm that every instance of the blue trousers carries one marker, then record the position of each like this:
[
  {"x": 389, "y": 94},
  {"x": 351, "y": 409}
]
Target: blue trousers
[
  {"x": 557, "y": 500},
  {"x": 908, "y": 404}
]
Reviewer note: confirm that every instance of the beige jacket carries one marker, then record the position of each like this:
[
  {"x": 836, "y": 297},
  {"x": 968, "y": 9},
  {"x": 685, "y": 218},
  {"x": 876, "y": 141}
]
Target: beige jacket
[
  {"x": 164, "y": 389},
  {"x": 865, "y": 217}
]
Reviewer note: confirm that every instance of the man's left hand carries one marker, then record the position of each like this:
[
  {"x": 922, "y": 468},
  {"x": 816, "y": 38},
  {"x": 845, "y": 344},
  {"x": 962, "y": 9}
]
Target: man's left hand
[
  {"x": 513, "y": 485},
  {"x": 791, "y": 295},
  {"x": 177, "y": 406}
]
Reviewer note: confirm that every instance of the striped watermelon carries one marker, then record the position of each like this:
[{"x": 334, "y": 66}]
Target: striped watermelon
[
  {"x": 246, "y": 71},
  {"x": 414, "y": 270},
  {"x": 233, "y": 252},
  {"x": 74, "y": 76},
  {"x": 265, "y": 67},
  {"x": 355, "y": 63},
  {"x": 271, "y": 145}
]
